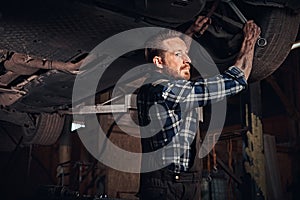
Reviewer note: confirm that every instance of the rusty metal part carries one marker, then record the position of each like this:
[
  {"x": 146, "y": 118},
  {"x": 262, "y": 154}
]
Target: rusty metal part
[
  {"x": 21, "y": 85},
  {"x": 7, "y": 99},
  {"x": 13, "y": 90},
  {"x": 18, "y": 67},
  {"x": 27, "y": 65},
  {"x": 8, "y": 77},
  {"x": 129, "y": 104},
  {"x": 4, "y": 54},
  {"x": 9, "y": 96},
  {"x": 15, "y": 117}
]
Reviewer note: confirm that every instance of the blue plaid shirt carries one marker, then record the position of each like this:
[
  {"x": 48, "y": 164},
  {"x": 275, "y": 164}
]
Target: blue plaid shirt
[{"x": 167, "y": 117}]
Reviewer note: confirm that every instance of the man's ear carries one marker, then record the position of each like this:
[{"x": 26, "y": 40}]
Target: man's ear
[{"x": 158, "y": 62}]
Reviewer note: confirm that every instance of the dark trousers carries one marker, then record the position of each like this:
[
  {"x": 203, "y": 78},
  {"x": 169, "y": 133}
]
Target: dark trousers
[{"x": 167, "y": 185}]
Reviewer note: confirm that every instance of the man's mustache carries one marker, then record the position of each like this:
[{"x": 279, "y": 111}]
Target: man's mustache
[{"x": 185, "y": 66}]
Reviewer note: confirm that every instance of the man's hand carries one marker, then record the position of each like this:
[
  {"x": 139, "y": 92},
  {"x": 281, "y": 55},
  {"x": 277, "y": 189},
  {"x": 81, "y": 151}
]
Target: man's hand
[
  {"x": 251, "y": 31},
  {"x": 244, "y": 60},
  {"x": 199, "y": 26}
]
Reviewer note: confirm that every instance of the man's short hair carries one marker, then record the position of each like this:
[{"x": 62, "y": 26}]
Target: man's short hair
[{"x": 154, "y": 45}]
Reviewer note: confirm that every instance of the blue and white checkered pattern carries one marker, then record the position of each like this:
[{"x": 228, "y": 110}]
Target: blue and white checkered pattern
[{"x": 173, "y": 124}]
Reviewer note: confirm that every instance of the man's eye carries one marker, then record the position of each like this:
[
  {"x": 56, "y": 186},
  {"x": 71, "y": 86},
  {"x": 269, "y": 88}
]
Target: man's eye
[{"x": 178, "y": 54}]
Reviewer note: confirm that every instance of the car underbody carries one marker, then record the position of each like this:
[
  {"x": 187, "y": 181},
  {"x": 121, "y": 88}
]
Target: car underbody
[{"x": 43, "y": 44}]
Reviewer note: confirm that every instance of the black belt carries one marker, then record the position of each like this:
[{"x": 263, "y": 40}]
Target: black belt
[{"x": 168, "y": 175}]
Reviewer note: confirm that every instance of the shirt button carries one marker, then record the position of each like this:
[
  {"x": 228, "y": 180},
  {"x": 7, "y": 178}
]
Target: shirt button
[{"x": 176, "y": 177}]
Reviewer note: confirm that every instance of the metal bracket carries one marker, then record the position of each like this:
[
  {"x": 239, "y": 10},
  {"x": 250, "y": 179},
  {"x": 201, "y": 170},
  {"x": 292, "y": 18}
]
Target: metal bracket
[{"x": 129, "y": 103}]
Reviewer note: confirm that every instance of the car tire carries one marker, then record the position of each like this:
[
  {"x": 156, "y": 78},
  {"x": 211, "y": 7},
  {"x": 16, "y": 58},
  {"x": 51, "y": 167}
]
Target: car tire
[
  {"x": 48, "y": 128},
  {"x": 280, "y": 28}
]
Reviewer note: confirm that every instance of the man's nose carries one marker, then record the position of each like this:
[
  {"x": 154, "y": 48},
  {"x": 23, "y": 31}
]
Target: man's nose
[{"x": 186, "y": 58}]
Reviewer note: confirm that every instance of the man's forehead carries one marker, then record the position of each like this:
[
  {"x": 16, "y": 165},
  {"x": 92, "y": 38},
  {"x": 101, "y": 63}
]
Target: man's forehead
[{"x": 174, "y": 44}]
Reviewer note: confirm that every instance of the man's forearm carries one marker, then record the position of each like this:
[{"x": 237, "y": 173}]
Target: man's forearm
[
  {"x": 198, "y": 27},
  {"x": 245, "y": 57},
  {"x": 244, "y": 60}
]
